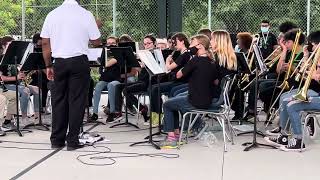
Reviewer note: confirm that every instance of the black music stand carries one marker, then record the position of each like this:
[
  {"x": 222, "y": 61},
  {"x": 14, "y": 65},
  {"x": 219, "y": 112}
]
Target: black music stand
[
  {"x": 150, "y": 140},
  {"x": 261, "y": 70},
  {"x": 126, "y": 59},
  {"x": 35, "y": 61},
  {"x": 15, "y": 54}
]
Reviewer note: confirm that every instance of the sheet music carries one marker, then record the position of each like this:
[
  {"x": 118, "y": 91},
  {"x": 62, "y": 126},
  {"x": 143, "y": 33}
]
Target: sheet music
[
  {"x": 94, "y": 54},
  {"x": 159, "y": 57},
  {"x": 263, "y": 68},
  {"x": 26, "y": 53},
  {"x": 148, "y": 59}
]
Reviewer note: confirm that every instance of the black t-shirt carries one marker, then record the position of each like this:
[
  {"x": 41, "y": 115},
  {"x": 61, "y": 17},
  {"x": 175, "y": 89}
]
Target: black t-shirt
[
  {"x": 8, "y": 70},
  {"x": 111, "y": 73},
  {"x": 202, "y": 72},
  {"x": 266, "y": 43},
  {"x": 181, "y": 61}
]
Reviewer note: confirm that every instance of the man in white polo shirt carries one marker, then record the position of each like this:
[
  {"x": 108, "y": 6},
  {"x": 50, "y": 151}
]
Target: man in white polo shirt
[{"x": 66, "y": 34}]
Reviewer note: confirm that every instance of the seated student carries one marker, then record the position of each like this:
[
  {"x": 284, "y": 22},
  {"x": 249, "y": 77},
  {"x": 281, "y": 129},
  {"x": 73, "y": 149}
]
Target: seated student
[
  {"x": 162, "y": 43},
  {"x": 181, "y": 43},
  {"x": 285, "y": 98},
  {"x": 205, "y": 77},
  {"x": 8, "y": 75},
  {"x": 10, "y": 97},
  {"x": 108, "y": 74},
  {"x": 264, "y": 84},
  {"x": 291, "y": 111},
  {"x": 202, "y": 72},
  {"x": 113, "y": 86},
  {"x": 149, "y": 42},
  {"x": 266, "y": 88},
  {"x": 205, "y": 31}
]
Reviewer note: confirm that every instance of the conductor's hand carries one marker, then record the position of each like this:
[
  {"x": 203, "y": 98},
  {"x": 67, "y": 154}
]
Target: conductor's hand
[{"x": 50, "y": 73}]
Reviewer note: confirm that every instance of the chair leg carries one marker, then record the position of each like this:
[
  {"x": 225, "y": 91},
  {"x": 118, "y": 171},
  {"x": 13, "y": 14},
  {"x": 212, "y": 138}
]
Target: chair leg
[
  {"x": 138, "y": 113},
  {"x": 230, "y": 128},
  {"x": 181, "y": 131},
  {"x": 304, "y": 128},
  {"x": 224, "y": 137}
]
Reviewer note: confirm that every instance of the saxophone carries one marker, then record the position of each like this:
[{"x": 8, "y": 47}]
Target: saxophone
[{"x": 28, "y": 79}]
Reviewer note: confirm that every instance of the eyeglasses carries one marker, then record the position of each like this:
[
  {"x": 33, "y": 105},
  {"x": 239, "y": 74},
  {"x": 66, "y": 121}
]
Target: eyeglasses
[{"x": 147, "y": 43}]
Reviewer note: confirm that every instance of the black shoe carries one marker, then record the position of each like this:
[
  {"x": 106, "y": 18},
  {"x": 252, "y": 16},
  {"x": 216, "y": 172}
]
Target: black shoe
[
  {"x": 57, "y": 146},
  {"x": 294, "y": 145},
  {"x": 113, "y": 117},
  {"x": 310, "y": 126},
  {"x": 74, "y": 147},
  {"x": 281, "y": 140},
  {"x": 92, "y": 118}
]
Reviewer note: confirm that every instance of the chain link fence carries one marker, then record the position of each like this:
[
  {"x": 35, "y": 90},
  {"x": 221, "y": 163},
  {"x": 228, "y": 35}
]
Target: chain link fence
[{"x": 139, "y": 17}]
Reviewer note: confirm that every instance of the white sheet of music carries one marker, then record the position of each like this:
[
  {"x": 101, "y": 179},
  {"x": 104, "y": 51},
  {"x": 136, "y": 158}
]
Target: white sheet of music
[
  {"x": 94, "y": 54},
  {"x": 148, "y": 59},
  {"x": 26, "y": 53},
  {"x": 159, "y": 57}
]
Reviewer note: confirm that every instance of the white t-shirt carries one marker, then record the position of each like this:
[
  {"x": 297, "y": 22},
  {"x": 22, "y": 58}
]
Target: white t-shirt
[{"x": 69, "y": 28}]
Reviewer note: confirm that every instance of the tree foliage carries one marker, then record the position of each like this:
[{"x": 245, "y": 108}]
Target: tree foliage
[{"x": 139, "y": 17}]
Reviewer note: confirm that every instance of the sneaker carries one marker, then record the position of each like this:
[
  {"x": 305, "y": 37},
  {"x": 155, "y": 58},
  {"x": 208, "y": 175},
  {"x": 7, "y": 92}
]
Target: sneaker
[
  {"x": 92, "y": 118},
  {"x": 113, "y": 117},
  {"x": 273, "y": 132},
  {"x": 310, "y": 127},
  {"x": 169, "y": 143},
  {"x": 8, "y": 127},
  {"x": 2, "y": 133},
  {"x": 294, "y": 145},
  {"x": 106, "y": 110},
  {"x": 280, "y": 140}
]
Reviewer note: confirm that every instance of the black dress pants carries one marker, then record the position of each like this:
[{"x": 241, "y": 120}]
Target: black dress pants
[{"x": 69, "y": 98}]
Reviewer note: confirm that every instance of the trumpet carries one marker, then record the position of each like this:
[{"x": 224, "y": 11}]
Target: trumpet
[{"x": 302, "y": 93}]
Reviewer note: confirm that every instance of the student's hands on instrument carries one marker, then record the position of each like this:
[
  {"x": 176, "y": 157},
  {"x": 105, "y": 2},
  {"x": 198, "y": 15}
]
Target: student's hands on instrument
[
  {"x": 284, "y": 67},
  {"x": 306, "y": 53},
  {"x": 282, "y": 44},
  {"x": 21, "y": 76}
]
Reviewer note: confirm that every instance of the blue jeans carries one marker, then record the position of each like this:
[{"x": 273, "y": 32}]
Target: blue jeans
[
  {"x": 25, "y": 93},
  {"x": 100, "y": 86},
  {"x": 179, "y": 89},
  {"x": 173, "y": 106},
  {"x": 290, "y": 109},
  {"x": 112, "y": 95}
]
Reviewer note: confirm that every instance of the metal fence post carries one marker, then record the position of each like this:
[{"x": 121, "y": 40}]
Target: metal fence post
[
  {"x": 308, "y": 16},
  {"x": 23, "y": 21},
  {"x": 209, "y": 13},
  {"x": 114, "y": 16}
]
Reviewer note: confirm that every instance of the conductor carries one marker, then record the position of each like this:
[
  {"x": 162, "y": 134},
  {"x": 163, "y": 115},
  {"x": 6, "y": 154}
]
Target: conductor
[{"x": 66, "y": 33}]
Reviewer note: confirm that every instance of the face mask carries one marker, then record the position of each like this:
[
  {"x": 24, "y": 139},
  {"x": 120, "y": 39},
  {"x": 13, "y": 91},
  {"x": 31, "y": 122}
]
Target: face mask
[
  {"x": 237, "y": 48},
  {"x": 264, "y": 29},
  {"x": 193, "y": 50}
]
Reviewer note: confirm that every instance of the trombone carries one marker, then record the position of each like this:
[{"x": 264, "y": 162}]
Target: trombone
[
  {"x": 302, "y": 93},
  {"x": 275, "y": 55},
  {"x": 245, "y": 78},
  {"x": 285, "y": 84}
]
